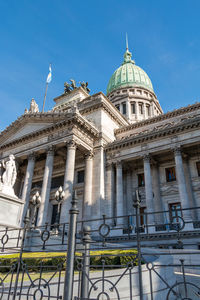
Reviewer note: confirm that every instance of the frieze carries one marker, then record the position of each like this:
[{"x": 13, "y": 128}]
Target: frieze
[
  {"x": 152, "y": 134},
  {"x": 81, "y": 135},
  {"x": 58, "y": 134},
  {"x": 75, "y": 119},
  {"x": 27, "y": 146}
]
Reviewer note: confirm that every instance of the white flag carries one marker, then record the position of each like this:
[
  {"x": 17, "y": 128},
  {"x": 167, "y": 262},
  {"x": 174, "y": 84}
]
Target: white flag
[{"x": 49, "y": 77}]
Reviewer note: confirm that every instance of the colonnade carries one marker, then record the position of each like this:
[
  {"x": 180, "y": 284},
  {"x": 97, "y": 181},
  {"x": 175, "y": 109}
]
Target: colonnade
[
  {"x": 46, "y": 183},
  {"x": 113, "y": 183},
  {"x": 152, "y": 188}
]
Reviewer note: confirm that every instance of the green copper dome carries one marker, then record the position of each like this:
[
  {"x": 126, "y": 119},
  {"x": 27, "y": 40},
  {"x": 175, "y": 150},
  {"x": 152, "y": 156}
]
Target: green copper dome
[{"x": 128, "y": 75}]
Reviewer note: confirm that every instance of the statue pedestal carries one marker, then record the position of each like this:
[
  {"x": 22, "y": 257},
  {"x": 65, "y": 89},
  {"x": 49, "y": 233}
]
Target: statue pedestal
[
  {"x": 10, "y": 210},
  {"x": 8, "y": 190}
]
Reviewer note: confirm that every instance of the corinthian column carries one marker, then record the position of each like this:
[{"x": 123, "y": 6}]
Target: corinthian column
[
  {"x": 159, "y": 218},
  {"x": 27, "y": 185},
  {"x": 68, "y": 181},
  {"x": 46, "y": 188},
  {"x": 119, "y": 191},
  {"x": 148, "y": 188},
  {"x": 181, "y": 183},
  {"x": 109, "y": 192},
  {"x": 88, "y": 187}
]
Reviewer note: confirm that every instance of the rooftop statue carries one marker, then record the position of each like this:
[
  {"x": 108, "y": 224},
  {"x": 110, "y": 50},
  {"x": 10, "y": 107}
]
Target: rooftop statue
[
  {"x": 84, "y": 85},
  {"x": 73, "y": 84},
  {"x": 33, "y": 106},
  {"x": 9, "y": 175},
  {"x": 67, "y": 87}
]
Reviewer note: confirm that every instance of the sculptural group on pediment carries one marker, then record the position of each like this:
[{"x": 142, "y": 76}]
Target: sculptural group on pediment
[
  {"x": 8, "y": 175},
  {"x": 68, "y": 87}
]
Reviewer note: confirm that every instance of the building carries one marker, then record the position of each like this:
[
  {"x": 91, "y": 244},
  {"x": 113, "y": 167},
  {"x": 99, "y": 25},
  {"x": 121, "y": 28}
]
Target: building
[{"x": 104, "y": 148}]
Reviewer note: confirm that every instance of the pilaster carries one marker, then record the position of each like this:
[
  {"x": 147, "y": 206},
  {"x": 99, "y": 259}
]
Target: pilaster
[
  {"x": 109, "y": 190},
  {"x": 181, "y": 182},
  {"x": 119, "y": 191},
  {"x": 148, "y": 188}
]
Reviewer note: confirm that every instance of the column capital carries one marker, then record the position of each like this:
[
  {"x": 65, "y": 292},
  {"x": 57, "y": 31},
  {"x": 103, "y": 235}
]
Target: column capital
[
  {"x": 109, "y": 165},
  {"x": 89, "y": 155},
  {"x": 31, "y": 156},
  {"x": 154, "y": 162},
  {"x": 71, "y": 144},
  {"x": 177, "y": 151},
  {"x": 119, "y": 164},
  {"x": 50, "y": 150},
  {"x": 146, "y": 157}
]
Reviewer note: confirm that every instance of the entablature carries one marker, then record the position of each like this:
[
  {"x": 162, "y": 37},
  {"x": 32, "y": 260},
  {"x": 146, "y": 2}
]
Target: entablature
[{"x": 73, "y": 124}]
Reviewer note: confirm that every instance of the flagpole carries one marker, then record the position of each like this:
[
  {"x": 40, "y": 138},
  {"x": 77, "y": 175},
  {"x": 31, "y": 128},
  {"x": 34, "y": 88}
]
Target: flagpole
[{"x": 45, "y": 97}]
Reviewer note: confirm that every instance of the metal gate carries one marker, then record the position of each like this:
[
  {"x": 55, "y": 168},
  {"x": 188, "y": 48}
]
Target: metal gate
[{"x": 108, "y": 258}]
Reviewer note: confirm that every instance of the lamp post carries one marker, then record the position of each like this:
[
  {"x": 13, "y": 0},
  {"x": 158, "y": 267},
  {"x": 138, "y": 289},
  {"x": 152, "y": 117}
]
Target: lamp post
[
  {"x": 35, "y": 201},
  {"x": 136, "y": 205},
  {"x": 59, "y": 196}
]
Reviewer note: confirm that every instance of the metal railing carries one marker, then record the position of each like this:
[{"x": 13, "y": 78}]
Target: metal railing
[{"x": 122, "y": 257}]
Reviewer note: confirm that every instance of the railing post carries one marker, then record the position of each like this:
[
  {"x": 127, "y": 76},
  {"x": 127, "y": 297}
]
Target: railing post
[
  {"x": 136, "y": 205},
  {"x": 86, "y": 263},
  {"x": 19, "y": 263},
  {"x": 69, "y": 273}
]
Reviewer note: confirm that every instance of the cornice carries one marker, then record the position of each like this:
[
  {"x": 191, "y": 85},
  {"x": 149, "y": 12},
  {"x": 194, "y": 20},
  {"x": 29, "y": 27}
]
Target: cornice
[
  {"x": 153, "y": 134},
  {"x": 73, "y": 120},
  {"x": 99, "y": 100},
  {"x": 35, "y": 117},
  {"x": 168, "y": 115}
]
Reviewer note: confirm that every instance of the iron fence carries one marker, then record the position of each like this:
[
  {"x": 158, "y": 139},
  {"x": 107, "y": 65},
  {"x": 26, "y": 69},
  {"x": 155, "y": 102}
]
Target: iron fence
[{"x": 123, "y": 257}]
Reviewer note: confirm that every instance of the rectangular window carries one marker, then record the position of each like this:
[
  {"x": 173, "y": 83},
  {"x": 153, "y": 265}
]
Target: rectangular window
[
  {"x": 198, "y": 167},
  {"x": 141, "y": 109},
  {"x": 124, "y": 108},
  {"x": 175, "y": 212},
  {"x": 80, "y": 176},
  {"x": 141, "y": 180},
  {"x": 170, "y": 174},
  {"x": 148, "y": 110},
  {"x": 56, "y": 182},
  {"x": 133, "y": 108},
  {"x": 37, "y": 184}
]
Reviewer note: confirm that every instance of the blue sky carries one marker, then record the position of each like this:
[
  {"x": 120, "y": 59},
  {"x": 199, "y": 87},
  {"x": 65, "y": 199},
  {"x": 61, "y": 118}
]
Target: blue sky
[{"x": 85, "y": 40}]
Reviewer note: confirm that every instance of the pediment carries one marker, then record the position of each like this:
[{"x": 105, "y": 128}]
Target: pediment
[{"x": 25, "y": 130}]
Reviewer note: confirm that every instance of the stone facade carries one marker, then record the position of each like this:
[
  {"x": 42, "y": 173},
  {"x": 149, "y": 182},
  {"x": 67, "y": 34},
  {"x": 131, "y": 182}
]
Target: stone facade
[{"x": 90, "y": 145}]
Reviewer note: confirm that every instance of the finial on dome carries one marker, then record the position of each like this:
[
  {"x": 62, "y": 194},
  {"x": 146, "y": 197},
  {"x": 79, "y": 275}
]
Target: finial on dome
[
  {"x": 127, "y": 54},
  {"x": 126, "y": 41}
]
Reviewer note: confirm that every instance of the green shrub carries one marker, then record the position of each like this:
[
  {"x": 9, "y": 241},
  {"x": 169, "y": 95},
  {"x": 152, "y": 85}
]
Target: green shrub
[{"x": 52, "y": 261}]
